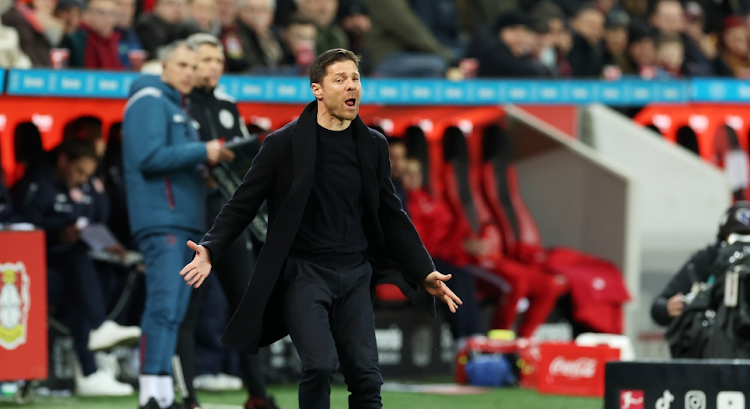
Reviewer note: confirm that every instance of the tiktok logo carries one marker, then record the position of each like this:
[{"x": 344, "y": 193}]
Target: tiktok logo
[{"x": 665, "y": 402}]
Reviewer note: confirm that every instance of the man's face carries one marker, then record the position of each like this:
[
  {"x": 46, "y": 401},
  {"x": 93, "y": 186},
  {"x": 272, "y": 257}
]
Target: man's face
[
  {"x": 171, "y": 11},
  {"x": 616, "y": 40},
  {"x": 590, "y": 25},
  {"x": 125, "y": 13},
  {"x": 75, "y": 173},
  {"x": 101, "y": 16},
  {"x": 320, "y": 11},
  {"x": 297, "y": 35},
  {"x": 412, "y": 178},
  {"x": 643, "y": 52},
  {"x": 670, "y": 55},
  {"x": 227, "y": 12},
  {"x": 210, "y": 66},
  {"x": 203, "y": 12},
  {"x": 71, "y": 19},
  {"x": 736, "y": 41},
  {"x": 179, "y": 69},
  {"x": 340, "y": 90},
  {"x": 518, "y": 38},
  {"x": 397, "y": 152},
  {"x": 257, "y": 15},
  {"x": 669, "y": 17}
]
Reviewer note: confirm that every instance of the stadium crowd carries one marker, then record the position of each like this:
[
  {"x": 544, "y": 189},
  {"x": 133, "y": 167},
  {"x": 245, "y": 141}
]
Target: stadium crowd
[{"x": 396, "y": 38}]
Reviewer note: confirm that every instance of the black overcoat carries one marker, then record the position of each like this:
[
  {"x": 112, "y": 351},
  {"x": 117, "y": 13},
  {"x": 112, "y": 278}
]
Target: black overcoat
[{"x": 282, "y": 173}]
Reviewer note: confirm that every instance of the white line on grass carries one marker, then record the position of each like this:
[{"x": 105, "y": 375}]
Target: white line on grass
[{"x": 219, "y": 406}]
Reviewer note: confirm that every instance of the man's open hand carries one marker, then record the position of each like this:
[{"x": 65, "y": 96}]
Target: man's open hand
[
  {"x": 434, "y": 284},
  {"x": 198, "y": 269}
]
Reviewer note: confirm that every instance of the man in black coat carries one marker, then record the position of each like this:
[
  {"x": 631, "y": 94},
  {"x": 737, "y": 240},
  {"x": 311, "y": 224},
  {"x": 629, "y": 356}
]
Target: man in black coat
[{"x": 336, "y": 229}]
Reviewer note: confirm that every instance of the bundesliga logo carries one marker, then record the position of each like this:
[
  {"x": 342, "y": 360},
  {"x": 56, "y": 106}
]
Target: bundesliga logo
[{"x": 14, "y": 304}]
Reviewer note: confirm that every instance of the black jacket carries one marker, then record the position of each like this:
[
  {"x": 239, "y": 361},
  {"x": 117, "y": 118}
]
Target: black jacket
[
  {"x": 216, "y": 114},
  {"x": 586, "y": 60},
  {"x": 702, "y": 263},
  {"x": 282, "y": 174},
  {"x": 496, "y": 60},
  {"x": 155, "y": 33}
]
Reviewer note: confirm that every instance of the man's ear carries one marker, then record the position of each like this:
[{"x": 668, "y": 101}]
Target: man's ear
[{"x": 317, "y": 90}]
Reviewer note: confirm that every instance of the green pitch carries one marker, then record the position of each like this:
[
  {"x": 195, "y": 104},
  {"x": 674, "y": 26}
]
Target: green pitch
[{"x": 286, "y": 396}]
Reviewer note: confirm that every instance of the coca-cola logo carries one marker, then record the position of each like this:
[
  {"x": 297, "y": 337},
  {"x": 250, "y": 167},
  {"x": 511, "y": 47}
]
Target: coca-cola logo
[{"x": 579, "y": 368}]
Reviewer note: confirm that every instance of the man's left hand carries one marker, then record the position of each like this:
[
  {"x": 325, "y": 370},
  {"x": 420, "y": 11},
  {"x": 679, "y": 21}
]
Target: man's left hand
[{"x": 434, "y": 284}]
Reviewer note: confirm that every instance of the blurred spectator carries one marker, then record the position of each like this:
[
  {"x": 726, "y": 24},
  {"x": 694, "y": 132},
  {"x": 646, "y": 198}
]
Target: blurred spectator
[
  {"x": 668, "y": 18},
  {"x": 503, "y": 50},
  {"x": 261, "y": 45},
  {"x": 670, "y": 55},
  {"x": 323, "y": 13},
  {"x": 96, "y": 43},
  {"x": 695, "y": 30},
  {"x": 38, "y": 30},
  {"x": 11, "y": 55},
  {"x": 587, "y": 55},
  {"x": 165, "y": 25},
  {"x": 734, "y": 47},
  {"x": 548, "y": 21},
  {"x": 299, "y": 33},
  {"x": 354, "y": 19},
  {"x": 228, "y": 11},
  {"x": 441, "y": 18},
  {"x": 397, "y": 154},
  {"x": 637, "y": 8},
  {"x": 642, "y": 49},
  {"x": 616, "y": 42},
  {"x": 401, "y": 45},
  {"x": 129, "y": 40},
  {"x": 204, "y": 16},
  {"x": 475, "y": 14},
  {"x": 69, "y": 12},
  {"x": 52, "y": 198}
]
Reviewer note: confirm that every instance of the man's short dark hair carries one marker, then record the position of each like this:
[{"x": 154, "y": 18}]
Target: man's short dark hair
[
  {"x": 75, "y": 149},
  {"x": 319, "y": 67}
]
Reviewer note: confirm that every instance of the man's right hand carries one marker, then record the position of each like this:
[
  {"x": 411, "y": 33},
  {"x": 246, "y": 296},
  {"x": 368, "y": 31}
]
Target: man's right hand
[
  {"x": 675, "y": 305},
  {"x": 197, "y": 270},
  {"x": 216, "y": 152}
]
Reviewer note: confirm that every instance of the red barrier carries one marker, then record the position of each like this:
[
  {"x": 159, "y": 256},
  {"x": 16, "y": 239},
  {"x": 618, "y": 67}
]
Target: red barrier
[{"x": 23, "y": 306}]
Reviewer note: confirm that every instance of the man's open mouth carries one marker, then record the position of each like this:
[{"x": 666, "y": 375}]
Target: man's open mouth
[{"x": 351, "y": 102}]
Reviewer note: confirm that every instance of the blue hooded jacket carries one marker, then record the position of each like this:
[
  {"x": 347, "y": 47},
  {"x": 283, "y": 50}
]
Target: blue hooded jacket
[{"x": 162, "y": 156}]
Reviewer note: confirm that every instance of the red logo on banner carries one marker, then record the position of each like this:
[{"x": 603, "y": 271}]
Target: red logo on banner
[
  {"x": 631, "y": 399},
  {"x": 580, "y": 368},
  {"x": 570, "y": 369}
]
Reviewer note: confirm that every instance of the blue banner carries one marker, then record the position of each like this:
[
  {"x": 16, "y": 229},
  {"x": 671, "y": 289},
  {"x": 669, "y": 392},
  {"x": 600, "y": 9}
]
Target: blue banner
[
  {"x": 624, "y": 92},
  {"x": 2, "y": 79}
]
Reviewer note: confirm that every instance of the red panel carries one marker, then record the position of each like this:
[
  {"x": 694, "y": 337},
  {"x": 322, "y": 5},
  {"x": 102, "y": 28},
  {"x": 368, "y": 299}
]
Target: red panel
[
  {"x": 568, "y": 369},
  {"x": 564, "y": 118},
  {"x": 23, "y": 285}
]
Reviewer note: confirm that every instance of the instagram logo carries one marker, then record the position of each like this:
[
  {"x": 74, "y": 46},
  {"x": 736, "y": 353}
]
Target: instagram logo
[{"x": 695, "y": 400}]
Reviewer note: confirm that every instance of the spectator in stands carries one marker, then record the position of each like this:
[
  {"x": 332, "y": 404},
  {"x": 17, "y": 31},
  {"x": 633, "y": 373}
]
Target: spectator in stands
[
  {"x": 204, "y": 16},
  {"x": 165, "y": 25},
  {"x": 548, "y": 21},
  {"x": 475, "y": 14},
  {"x": 226, "y": 12},
  {"x": 299, "y": 33},
  {"x": 734, "y": 47},
  {"x": 503, "y": 50},
  {"x": 96, "y": 43},
  {"x": 695, "y": 30},
  {"x": 441, "y": 18},
  {"x": 642, "y": 50},
  {"x": 432, "y": 219},
  {"x": 165, "y": 196},
  {"x": 69, "y": 12},
  {"x": 587, "y": 55},
  {"x": 51, "y": 197},
  {"x": 11, "y": 55},
  {"x": 401, "y": 44},
  {"x": 670, "y": 54},
  {"x": 397, "y": 154},
  {"x": 129, "y": 41},
  {"x": 323, "y": 13},
  {"x": 353, "y": 17},
  {"x": 616, "y": 43},
  {"x": 261, "y": 45},
  {"x": 38, "y": 30},
  {"x": 668, "y": 18},
  {"x": 671, "y": 301}
]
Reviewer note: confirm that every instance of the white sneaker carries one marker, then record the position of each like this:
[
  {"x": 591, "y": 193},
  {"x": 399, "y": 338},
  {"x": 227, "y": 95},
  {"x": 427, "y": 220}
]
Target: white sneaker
[
  {"x": 217, "y": 383},
  {"x": 110, "y": 334},
  {"x": 101, "y": 383}
]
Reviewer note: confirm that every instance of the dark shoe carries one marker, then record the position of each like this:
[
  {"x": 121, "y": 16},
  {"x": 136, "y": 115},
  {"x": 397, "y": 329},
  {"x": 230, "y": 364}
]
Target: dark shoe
[
  {"x": 190, "y": 403},
  {"x": 257, "y": 403},
  {"x": 151, "y": 404}
]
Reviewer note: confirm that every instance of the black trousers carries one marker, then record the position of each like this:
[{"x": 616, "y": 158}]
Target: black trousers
[
  {"x": 328, "y": 312},
  {"x": 233, "y": 270}
]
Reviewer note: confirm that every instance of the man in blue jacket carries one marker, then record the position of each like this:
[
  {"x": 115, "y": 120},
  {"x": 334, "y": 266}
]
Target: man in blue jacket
[{"x": 163, "y": 160}]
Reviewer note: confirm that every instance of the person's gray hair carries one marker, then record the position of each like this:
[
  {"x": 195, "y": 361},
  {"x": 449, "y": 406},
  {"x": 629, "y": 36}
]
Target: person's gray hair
[
  {"x": 165, "y": 52},
  {"x": 199, "y": 39}
]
